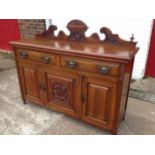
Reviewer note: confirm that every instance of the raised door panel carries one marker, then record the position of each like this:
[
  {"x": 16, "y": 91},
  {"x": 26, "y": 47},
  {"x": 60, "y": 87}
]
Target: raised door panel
[
  {"x": 98, "y": 106},
  {"x": 62, "y": 92},
  {"x": 29, "y": 75}
]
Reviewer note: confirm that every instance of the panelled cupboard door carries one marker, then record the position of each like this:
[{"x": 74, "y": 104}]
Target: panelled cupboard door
[
  {"x": 99, "y": 99},
  {"x": 62, "y": 92},
  {"x": 30, "y": 78}
]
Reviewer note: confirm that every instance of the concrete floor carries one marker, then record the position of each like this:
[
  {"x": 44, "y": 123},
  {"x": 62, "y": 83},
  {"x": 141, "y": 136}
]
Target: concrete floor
[
  {"x": 6, "y": 61},
  {"x": 16, "y": 118},
  {"x": 146, "y": 85},
  {"x": 143, "y": 89}
]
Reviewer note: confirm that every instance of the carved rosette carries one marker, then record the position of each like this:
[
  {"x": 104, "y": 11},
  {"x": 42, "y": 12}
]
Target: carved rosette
[{"x": 61, "y": 91}]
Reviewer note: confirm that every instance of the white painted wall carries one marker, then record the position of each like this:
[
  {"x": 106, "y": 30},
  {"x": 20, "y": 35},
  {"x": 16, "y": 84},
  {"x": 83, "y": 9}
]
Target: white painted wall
[
  {"x": 140, "y": 28},
  {"x": 48, "y": 22}
]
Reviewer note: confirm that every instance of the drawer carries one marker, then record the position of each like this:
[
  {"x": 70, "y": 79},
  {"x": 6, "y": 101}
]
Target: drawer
[
  {"x": 41, "y": 57},
  {"x": 99, "y": 67}
]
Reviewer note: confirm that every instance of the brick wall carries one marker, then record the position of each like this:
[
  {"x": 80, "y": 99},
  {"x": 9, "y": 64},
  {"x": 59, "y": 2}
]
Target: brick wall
[{"x": 29, "y": 27}]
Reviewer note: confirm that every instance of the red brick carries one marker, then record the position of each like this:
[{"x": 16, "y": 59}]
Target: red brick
[{"x": 30, "y": 27}]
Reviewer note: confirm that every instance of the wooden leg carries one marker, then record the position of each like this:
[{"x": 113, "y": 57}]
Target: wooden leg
[
  {"x": 124, "y": 115},
  {"x": 114, "y": 132},
  {"x": 24, "y": 101}
]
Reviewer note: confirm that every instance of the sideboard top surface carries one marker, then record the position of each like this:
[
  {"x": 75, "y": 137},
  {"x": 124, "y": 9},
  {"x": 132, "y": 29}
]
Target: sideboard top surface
[{"x": 78, "y": 44}]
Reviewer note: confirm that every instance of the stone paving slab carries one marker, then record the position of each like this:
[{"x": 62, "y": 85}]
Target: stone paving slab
[
  {"x": 143, "y": 89},
  {"x": 6, "y": 61},
  {"x": 145, "y": 85},
  {"x": 144, "y": 96}
]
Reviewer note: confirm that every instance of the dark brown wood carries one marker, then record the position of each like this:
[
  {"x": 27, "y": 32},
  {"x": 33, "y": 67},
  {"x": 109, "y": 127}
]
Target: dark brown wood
[{"x": 84, "y": 77}]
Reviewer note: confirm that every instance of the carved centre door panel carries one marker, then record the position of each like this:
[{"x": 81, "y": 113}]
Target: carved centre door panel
[
  {"x": 99, "y": 102},
  {"x": 62, "y": 92}
]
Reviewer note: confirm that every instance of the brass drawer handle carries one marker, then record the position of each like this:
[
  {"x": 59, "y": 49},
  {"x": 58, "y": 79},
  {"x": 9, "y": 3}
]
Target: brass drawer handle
[
  {"x": 103, "y": 69},
  {"x": 71, "y": 64},
  {"x": 46, "y": 59},
  {"x": 23, "y": 55}
]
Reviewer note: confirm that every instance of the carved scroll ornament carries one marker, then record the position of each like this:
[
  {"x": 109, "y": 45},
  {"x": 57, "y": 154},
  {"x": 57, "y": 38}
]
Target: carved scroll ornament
[{"x": 77, "y": 29}]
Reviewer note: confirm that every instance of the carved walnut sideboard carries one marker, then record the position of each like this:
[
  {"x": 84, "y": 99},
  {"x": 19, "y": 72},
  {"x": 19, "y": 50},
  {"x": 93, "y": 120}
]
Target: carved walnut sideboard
[{"x": 85, "y": 77}]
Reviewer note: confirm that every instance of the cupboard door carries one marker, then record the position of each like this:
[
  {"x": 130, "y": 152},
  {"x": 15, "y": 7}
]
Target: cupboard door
[
  {"x": 99, "y": 99},
  {"x": 29, "y": 75},
  {"x": 62, "y": 92}
]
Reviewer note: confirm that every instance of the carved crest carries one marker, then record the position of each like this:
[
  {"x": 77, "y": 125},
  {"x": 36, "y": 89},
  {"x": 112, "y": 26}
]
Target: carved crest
[{"x": 77, "y": 30}]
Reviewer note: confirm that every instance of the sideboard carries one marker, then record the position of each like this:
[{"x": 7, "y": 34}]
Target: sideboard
[{"x": 87, "y": 78}]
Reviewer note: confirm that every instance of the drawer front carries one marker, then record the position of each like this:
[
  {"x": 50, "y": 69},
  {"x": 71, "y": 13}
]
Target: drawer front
[
  {"x": 41, "y": 57},
  {"x": 98, "y": 67}
]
